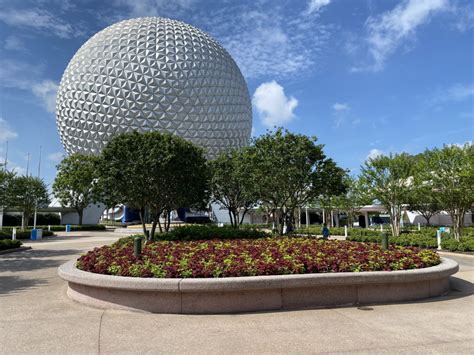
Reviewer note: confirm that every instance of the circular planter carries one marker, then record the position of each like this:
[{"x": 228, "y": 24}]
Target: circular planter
[{"x": 255, "y": 293}]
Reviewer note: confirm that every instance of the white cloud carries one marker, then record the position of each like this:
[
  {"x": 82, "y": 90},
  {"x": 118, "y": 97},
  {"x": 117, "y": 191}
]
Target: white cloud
[
  {"x": 38, "y": 19},
  {"x": 340, "y": 113},
  {"x": 338, "y": 107},
  {"x": 55, "y": 157},
  {"x": 18, "y": 74},
  {"x": 46, "y": 90},
  {"x": 465, "y": 17},
  {"x": 138, "y": 8},
  {"x": 374, "y": 153},
  {"x": 457, "y": 93},
  {"x": 14, "y": 43},
  {"x": 6, "y": 132},
  {"x": 265, "y": 40},
  {"x": 273, "y": 106},
  {"x": 12, "y": 166},
  {"x": 387, "y": 31},
  {"x": 25, "y": 76},
  {"x": 316, "y": 5}
]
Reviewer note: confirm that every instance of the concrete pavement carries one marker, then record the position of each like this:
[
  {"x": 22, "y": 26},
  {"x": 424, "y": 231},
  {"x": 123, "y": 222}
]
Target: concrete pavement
[{"x": 37, "y": 317}]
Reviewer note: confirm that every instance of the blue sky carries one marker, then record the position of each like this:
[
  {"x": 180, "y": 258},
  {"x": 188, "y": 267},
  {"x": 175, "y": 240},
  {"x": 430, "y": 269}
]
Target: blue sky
[{"x": 365, "y": 77}]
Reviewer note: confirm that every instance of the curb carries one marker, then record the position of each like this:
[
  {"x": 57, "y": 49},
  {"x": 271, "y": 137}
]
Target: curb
[
  {"x": 255, "y": 293},
  {"x": 8, "y": 251},
  {"x": 458, "y": 255}
]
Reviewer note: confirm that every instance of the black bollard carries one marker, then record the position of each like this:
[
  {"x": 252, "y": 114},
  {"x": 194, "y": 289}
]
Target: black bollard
[
  {"x": 137, "y": 246},
  {"x": 384, "y": 241}
]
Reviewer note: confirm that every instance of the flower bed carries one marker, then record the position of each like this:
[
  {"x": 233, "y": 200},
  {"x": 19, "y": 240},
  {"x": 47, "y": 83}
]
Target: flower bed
[{"x": 265, "y": 256}]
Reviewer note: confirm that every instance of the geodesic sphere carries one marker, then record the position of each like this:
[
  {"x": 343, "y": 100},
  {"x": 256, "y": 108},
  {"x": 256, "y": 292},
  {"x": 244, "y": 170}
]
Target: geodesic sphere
[{"x": 153, "y": 73}]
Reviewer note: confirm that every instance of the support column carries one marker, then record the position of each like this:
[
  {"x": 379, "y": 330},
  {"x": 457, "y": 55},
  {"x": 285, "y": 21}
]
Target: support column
[
  {"x": 366, "y": 216},
  {"x": 324, "y": 216},
  {"x": 336, "y": 217},
  {"x": 331, "y": 224}
]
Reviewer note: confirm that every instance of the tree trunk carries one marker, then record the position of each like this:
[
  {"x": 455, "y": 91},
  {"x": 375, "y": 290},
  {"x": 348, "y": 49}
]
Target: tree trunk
[
  {"x": 457, "y": 218},
  {"x": 235, "y": 215},
  {"x": 243, "y": 215},
  {"x": 153, "y": 229},
  {"x": 141, "y": 213},
  {"x": 157, "y": 220},
  {"x": 428, "y": 220},
  {"x": 23, "y": 222},
  {"x": 80, "y": 212},
  {"x": 395, "y": 220},
  {"x": 167, "y": 221},
  {"x": 230, "y": 217}
]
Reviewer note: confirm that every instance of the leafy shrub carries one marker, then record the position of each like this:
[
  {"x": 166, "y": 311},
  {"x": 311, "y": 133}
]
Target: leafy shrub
[
  {"x": 256, "y": 226},
  {"x": 9, "y": 244},
  {"x": 466, "y": 243},
  {"x": 317, "y": 230},
  {"x": 26, "y": 234},
  {"x": 208, "y": 232},
  {"x": 244, "y": 257},
  {"x": 41, "y": 218}
]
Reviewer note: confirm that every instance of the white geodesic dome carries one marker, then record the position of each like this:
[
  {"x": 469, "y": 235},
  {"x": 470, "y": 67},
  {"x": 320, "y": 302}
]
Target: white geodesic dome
[{"x": 153, "y": 73}]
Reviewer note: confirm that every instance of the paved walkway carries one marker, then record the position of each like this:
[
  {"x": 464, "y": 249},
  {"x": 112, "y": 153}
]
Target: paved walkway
[{"x": 36, "y": 317}]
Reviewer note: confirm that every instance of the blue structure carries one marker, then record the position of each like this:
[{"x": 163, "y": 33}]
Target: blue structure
[{"x": 130, "y": 215}]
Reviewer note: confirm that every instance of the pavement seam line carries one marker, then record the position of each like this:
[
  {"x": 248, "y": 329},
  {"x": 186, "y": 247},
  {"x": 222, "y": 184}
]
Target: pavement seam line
[{"x": 100, "y": 331}]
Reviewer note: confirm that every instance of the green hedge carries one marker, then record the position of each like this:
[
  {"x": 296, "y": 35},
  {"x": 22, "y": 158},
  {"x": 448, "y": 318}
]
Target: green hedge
[
  {"x": 207, "y": 232},
  {"x": 423, "y": 240},
  {"x": 256, "y": 226},
  {"x": 26, "y": 234},
  {"x": 317, "y": 230},
  {"x": 9, "y": 244},
  {"x": 466, "y": 243}
]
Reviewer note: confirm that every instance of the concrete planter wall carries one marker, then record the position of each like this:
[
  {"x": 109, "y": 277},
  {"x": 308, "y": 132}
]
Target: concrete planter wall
[{"x": 258, "y": 293}]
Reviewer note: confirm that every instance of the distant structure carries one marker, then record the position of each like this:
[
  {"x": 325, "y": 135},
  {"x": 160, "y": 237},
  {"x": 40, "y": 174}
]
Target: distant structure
[{"x": 148, "y": 74}]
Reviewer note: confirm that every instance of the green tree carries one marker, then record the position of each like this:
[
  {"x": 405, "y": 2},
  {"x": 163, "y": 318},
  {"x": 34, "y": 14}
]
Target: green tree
[
  {"x": 183, "y": 177},
  {"x": 450, "y": 174},
  {"x": 423, "y": 198},
  {"x": 74, "y": 182},
  {"x": 290, "y": 170},
  {"x": 6, "y": 179},
  {"x": 230, "y": 184},
  {"x": 388, "y": 179},
  {"x": 27, "y": 193},
  {"x": 352, "y": 200},
  {"x": 153, "y": 171}
]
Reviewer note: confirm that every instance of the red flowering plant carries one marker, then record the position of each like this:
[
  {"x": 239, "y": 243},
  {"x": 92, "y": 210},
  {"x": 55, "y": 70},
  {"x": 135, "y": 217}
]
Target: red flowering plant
[{"x": 244, "y": 257}]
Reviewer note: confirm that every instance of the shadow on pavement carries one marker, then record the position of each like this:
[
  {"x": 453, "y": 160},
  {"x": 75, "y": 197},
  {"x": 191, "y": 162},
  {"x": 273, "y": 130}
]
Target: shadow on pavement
[
  {"x": 460, "y": 285},
  {"x": 34, "y": 259},
  {"x": 13, "y": 284}
]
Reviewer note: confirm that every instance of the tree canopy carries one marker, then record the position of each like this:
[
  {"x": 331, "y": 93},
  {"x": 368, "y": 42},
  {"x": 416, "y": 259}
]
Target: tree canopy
[
  {"x": 74, "y": 182},
  {"x": 231, "y": 186},
  {"x": 449, "y": 175},
  {"x": 154, "y": 171},
  {"x": 289, "y": 170},
  {"x": 388, "y": 179},
  {"x": 27, "y": 193}
]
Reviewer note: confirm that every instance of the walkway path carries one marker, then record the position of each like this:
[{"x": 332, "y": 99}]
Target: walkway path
[{"x": 36, "y": 317}]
